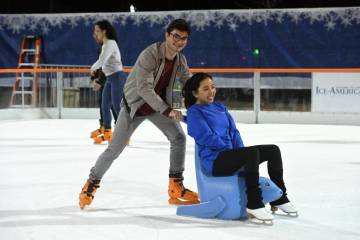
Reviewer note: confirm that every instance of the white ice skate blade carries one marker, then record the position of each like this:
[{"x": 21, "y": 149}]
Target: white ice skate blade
[
  {"x": 260, "y": 216},
  {"x": 275, "y": 211},
  {"x": 254, "y": 220}
]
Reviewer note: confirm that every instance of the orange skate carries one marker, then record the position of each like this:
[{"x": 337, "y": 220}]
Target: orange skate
[
  {"x": 87, "y": 193},
  {"x": 107, "y": 136},
  {"x": 97, "y": 132},
  {"x": 179, "y": 195}
]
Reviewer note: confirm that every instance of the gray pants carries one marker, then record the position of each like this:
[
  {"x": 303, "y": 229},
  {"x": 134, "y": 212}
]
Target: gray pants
[{"x": 124, "y": 128}]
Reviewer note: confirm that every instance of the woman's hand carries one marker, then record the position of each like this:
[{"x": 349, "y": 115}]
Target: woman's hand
[{"x": 93, "y": 72}]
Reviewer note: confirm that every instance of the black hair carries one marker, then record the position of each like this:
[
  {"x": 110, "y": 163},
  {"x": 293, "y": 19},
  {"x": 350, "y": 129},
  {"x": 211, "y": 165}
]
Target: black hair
[
  {"x": 110, "y": 30},
  {"x": 179, "y": 24},
  {"x": 191, "y": 85}
]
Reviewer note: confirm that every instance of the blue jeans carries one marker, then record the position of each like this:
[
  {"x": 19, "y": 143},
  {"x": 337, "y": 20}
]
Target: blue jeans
[
  {"x": 101, "y": 120},
  {"x": 112, "y": 95}
]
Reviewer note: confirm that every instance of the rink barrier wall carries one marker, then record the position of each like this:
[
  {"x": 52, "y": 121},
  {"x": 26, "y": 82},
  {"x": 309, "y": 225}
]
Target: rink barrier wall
[
  {"x": 239, "y": 116},
  {"x": 252, "y": 116}
]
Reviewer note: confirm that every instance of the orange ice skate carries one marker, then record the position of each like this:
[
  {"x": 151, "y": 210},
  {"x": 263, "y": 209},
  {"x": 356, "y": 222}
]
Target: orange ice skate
[
  {"x": 107, "y": 136},
  {"x": 87, "y": 193},
  {"x": 179, "y": 195},
  {"x": 97, "y": 132}
]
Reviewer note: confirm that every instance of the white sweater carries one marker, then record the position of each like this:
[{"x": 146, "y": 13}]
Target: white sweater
[{"x": 109, "y": 59}]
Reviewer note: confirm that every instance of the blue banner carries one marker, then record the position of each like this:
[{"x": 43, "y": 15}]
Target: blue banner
[{"x": 290, "y": 38}]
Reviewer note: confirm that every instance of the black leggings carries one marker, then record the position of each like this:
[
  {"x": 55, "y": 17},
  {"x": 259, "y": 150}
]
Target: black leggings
[{"x": 245, "y": 161}]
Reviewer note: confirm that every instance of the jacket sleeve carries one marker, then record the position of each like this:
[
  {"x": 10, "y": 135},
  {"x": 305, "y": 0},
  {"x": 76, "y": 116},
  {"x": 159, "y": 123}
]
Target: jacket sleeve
[
  {"x": 199, "y": 129},
  {"x": 184, "y": 70},
  {"x": 145, "y": 81},
  {"x": 234, "y": 132}
]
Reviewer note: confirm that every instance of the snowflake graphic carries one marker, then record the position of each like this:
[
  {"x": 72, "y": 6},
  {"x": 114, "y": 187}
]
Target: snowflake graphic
[
  {"x": 32, "y": 27},
  {"x": 279, "y": 19},
  {"x": 233, "y": 27},
  {"x": 295, "y": 17},
  {"x": 330, "y": 25},
  {"x": 346, "y": 22}
]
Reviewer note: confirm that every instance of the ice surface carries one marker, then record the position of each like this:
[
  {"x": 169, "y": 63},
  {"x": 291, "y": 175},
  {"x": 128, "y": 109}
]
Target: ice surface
[{"x": 44, "y": 163}]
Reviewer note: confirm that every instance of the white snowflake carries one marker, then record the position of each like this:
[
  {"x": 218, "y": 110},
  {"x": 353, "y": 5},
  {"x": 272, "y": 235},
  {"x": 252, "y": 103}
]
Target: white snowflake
[
  {"x": 233, "y": 27},
  {"x": 33, "y": 27},
  {"x": 346, "y": 22},
  {"x": 112, "y": 19},
  {"x": 45, "y": 28},
  {"x": 87, "y": 21},
  {"x": 199, "y": 19},
  {"x": 218, "y": 19},
  {"x": 330, "y": 25},
  {"x": 248, "y": 18},
  {"x": 315, "y": 17},
  {"x": 55, "y": 21},
  {"x": 17, "y": 24},
  {"x": 73, "y": 21},
  {"x": 279, "y": 19},
  {"x": 219, "y": 24},
  {"x": 137, "y": 20},
  {"x": 123, "y": 21},
  {"x": 295, "y": 17},
  {"x": 154, "y": 19}
]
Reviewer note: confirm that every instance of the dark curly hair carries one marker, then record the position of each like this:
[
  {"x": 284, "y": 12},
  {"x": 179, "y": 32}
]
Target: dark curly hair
[
  {"x": 110, "y": 30},
  {"x": 191, "y": 85}
]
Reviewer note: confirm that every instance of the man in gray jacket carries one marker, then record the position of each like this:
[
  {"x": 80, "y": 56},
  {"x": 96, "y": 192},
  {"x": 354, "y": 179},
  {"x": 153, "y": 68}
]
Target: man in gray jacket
[{"x": 148, "y": 95}]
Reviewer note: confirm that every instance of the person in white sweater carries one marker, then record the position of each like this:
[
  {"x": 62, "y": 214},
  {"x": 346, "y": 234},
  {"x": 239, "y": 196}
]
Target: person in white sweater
[{"x": 110, "y": 62}]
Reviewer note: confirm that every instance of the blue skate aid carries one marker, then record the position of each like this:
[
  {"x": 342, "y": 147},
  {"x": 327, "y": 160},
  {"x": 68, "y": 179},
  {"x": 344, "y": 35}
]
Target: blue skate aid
[{"x": 224, "y": 197}]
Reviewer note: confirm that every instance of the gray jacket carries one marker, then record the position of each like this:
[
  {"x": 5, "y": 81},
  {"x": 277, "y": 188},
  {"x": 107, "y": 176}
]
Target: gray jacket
[{"x": 140, "y": 84}]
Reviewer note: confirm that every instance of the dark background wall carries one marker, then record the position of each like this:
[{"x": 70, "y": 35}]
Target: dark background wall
[{"x": 72, "y": 6}]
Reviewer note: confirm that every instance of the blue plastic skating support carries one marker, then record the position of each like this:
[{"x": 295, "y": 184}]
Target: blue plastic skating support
[{"x": 224, "y": 197}]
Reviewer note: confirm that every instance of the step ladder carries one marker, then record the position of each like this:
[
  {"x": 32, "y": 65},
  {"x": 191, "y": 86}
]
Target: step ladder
[{"x": 26, "y": 86}]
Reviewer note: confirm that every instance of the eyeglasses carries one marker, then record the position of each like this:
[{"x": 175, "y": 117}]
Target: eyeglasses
[{"x": 178, "y": 38}]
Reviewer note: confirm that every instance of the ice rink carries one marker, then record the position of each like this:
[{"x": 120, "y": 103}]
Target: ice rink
[{"x": 44, "y": 164}]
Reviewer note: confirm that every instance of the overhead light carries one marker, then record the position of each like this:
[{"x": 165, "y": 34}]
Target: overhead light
[{"x": 132, "y": 8}]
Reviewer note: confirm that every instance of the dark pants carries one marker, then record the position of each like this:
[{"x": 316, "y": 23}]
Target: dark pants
[
  {"x": 246, "y": 162},
  {"x": 114, "y": 114},
  {"x": 112, "y": 95}
]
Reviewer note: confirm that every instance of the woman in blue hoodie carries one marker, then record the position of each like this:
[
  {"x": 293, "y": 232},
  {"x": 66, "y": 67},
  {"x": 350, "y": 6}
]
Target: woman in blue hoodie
[{"x": 222, "y": 151}]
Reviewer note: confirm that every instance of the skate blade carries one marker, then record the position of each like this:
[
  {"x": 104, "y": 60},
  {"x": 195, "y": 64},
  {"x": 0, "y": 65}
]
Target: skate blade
[
  {"x": 82, "y": 206},
  {"x": 279, "y": 212},
  {"x": 177, "y": 201},
  {"x": 102, "y": 142},
  {"x": 99, "y": 140},
  {"x": 255, "y": 220}
]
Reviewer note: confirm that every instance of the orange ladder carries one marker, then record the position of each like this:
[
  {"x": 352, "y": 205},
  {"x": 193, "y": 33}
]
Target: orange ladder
[{"x": 26, "y": 86}]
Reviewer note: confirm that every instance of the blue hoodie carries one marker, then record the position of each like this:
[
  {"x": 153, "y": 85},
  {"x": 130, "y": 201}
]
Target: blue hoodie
[{"x": 214, "y": 131}]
